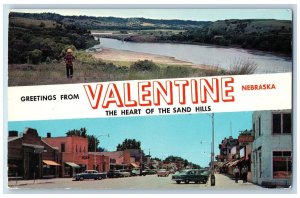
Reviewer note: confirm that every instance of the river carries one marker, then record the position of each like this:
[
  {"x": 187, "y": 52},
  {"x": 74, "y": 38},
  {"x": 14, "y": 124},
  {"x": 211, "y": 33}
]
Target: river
[{"x": 222, "y": 57}]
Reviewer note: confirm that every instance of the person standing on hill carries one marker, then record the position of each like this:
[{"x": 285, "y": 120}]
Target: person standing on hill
[{"x": 69, "y": 58}]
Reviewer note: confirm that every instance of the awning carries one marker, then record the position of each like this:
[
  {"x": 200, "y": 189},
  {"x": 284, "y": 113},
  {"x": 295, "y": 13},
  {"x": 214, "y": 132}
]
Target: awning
[
  {"x": 51, "y": 163},
  {"x": 135, "y": 165},
  {"x": 72, "y": 164},
  {"x": 220, "y": 164},
  {"x": 239, "y": 161},
  {"x": 236, "y": 162}
]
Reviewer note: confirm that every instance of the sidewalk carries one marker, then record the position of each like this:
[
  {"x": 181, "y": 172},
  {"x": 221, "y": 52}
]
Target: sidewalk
[
  {"x": 16, "y": 183},
  {"x": 224, "y": 182}
]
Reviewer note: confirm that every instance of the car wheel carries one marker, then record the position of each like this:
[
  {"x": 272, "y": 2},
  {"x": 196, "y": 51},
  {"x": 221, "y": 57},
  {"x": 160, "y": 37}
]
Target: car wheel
[
  {"x": 81, "y": 178},
  {"x": 186, "y": 181},
  {"x": 99, "y": 178},
  {"x": 204, "y": 181},
  {"x": 178, "y": 182}
]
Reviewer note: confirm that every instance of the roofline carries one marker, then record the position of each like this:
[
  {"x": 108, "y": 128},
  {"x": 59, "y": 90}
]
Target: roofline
[
  {"x": 56, "y": 148},
  {"x": 64, "y": 137},
  {"x": 14, "y": 138}
]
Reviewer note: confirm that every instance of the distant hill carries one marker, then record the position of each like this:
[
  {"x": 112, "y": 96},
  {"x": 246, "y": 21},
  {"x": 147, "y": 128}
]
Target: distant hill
[
  {"x": 259, "y": 34},
  {"x": 114, "y": 23},
  {"x": 262, "y": 34}
]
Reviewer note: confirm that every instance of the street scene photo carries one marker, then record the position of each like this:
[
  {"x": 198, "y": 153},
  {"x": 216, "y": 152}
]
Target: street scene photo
[
  {"x": 173, "y": 100},
  {"x": 240, "y": 150}
]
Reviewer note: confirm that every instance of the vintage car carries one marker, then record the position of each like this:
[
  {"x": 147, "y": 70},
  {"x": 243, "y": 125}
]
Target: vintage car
[
  {"x": 190, "y": 175},
  {"x": 162, "y": 173},
  {"x": 114, "y": 174},
  {"x": 125, "y": 173},
  {"x": 90, "y": 174},
  {"x": 148, "y": 172},
  {"x": 135, "y": 171}
]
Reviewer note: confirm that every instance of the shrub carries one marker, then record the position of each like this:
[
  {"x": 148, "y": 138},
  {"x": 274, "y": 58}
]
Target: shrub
[
  {"x": 35, "y": 56},
  {"x": 144, "y": 66},
  {"x": 241, "y": 67}
]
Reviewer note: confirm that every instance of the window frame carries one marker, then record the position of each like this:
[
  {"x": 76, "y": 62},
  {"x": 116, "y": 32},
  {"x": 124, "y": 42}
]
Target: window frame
[
  {"x": 290, "y": 158},
  {"x": 281, "y": 123}
]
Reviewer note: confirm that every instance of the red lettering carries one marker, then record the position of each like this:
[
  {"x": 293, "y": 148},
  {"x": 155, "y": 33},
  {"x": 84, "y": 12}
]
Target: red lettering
[{"x": 93, "y": 96}]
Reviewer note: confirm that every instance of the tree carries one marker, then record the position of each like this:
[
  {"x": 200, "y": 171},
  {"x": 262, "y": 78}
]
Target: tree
[
  {"x": 129, "y": 144},
  {"x": 75, "y": 132},
  {"x": 35, "y": 56},
  {"x": 93, "y": 141}
]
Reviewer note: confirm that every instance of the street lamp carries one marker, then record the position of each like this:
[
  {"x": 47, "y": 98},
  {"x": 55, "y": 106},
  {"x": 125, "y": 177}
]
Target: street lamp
[{"x": 95, "y": 139}]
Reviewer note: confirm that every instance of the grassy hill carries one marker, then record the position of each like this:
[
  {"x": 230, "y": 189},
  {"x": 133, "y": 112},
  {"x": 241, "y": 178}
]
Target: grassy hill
[
  {"x": 43, "y": 40},
  {"x": 114, "y": 23}
]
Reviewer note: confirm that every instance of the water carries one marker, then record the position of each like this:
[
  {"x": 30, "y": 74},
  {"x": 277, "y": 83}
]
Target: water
[{"x": 223, "y": 57}]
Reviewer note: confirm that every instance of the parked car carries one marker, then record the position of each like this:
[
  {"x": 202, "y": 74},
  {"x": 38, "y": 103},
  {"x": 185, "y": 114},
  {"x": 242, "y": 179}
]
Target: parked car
[
  {"x": 114, "y": 174},
  {"x": 162, "y": 173},
  {"x": 90, "y": 174},
  {"x": 149, "y": 172},
  {"x": 135, "y": 172},
  {"x": 125, "y": 173},
  {"x": 190, "y": 175}
]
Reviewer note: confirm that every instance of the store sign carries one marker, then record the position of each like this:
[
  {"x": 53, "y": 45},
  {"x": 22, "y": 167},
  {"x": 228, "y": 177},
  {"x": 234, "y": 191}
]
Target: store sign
[{"x": 245, "y": 138}]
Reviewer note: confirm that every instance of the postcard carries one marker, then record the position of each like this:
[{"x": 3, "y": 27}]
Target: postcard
[{"x": 152, "y": 100}]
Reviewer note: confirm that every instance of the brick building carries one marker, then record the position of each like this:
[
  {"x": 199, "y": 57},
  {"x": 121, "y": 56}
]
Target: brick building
[
  {"x": 74, "y": 153},
  {"x": 30, "y": 157},
  {"x": 118, "y": 159},
  {"x": 99, "y": 162}
]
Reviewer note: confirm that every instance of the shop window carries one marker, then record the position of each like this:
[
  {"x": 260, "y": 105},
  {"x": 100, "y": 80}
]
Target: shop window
[
  {"x": 282, "y": 164},
  {"x": 287, "y": 123},
  {"x": 282, "y": 123}
]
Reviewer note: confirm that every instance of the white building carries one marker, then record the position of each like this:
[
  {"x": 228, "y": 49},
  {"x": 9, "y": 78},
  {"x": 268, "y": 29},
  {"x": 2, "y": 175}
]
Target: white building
[{"x": 272, "y": 148}]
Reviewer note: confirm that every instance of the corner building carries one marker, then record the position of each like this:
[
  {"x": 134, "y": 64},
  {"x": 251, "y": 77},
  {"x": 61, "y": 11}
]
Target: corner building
[{"x": 272, "y": 148}]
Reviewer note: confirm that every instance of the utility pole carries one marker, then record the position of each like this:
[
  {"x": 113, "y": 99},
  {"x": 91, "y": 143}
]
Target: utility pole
[
  {"x": 213, "y": 179},
  {"x": 212, "y": 167},
  {"x": 141, "y": 162}
]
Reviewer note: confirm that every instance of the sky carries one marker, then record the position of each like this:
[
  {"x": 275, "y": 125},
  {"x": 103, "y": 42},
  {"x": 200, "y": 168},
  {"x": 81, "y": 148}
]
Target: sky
[
  {"x": 183, "y": 14},
  {"x": 188, "y": 136}
]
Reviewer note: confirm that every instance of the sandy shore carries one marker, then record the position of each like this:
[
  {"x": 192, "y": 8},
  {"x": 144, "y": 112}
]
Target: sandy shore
[{"x": 130, "y": 56}]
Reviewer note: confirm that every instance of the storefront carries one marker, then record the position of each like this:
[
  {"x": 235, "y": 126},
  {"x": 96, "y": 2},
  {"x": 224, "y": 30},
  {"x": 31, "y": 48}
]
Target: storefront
[{"x": 28, "y": 156}]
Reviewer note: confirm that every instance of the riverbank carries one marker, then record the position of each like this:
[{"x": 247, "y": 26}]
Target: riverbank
[{"x": 114, "y": 55}]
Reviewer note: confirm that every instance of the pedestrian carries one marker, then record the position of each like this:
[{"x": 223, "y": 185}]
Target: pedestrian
[
  {"x": 244, "y": 173},
  {"x": 236, "y": 173},
  {"x": 69, "y": 58}
]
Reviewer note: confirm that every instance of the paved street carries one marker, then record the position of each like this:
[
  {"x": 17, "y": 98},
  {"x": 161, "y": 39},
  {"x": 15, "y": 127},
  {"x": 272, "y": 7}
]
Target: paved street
[{"x": 149, "y": 182}]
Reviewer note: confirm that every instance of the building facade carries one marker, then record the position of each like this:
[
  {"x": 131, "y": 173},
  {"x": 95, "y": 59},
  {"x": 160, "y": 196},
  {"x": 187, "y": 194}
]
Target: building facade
[
  {"x": 272, "y": 148},
  {"x": 74, "y": 153},
  {"x": 29, "y": 157},
  {"x": 98, "y": 162}
]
